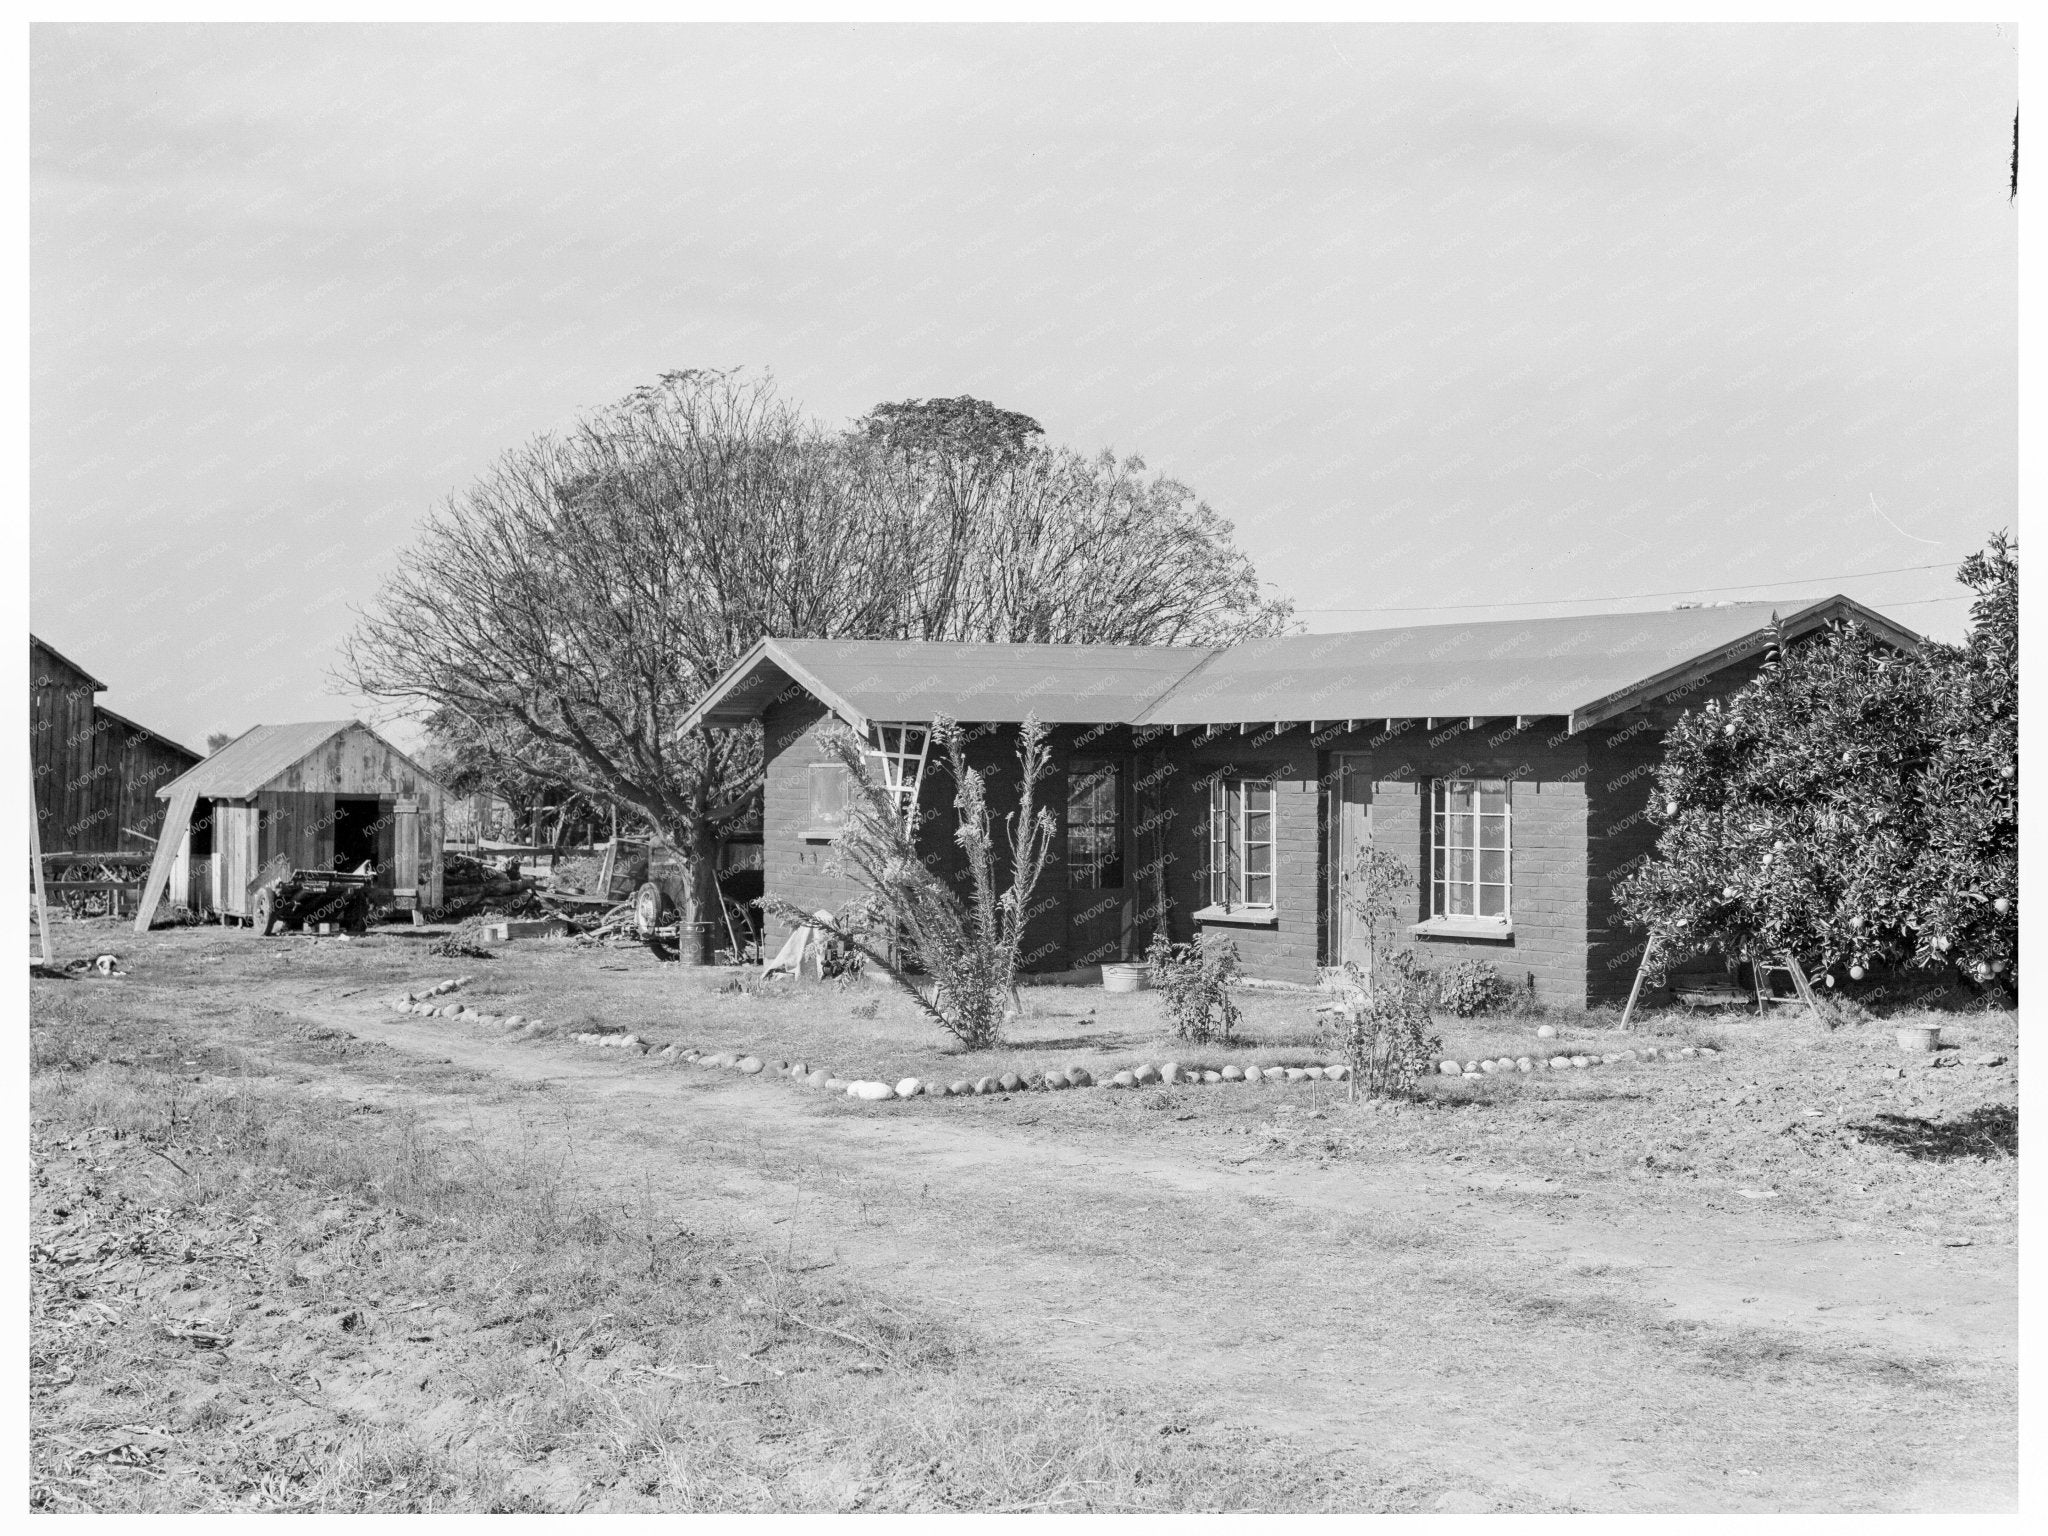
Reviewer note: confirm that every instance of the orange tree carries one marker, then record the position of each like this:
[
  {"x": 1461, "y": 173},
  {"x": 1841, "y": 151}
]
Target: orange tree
[{"x": 1852, "y": 805}]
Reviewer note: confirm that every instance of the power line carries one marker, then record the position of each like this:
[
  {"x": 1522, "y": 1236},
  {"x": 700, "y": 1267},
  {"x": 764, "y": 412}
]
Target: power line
[{"x": 1625, "y": 597}]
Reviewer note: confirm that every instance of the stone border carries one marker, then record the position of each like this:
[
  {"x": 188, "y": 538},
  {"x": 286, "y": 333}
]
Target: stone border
[
  {"x": 1145, "y": 1075},
  {"x": 1578, "y": 1062}
]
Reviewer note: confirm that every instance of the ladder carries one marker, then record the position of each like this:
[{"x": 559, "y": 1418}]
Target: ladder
[{"x": 1762, "y": 970}]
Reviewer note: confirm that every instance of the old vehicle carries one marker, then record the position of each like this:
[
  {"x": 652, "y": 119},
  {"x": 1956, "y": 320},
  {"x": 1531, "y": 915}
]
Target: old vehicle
[
  {"x": 658, "y": 875},
  {"x": 284, "y": 896}
]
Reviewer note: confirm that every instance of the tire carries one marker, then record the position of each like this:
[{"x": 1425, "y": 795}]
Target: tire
[
  {"x": 651, "y": 909},
  {"x": 266, "y": 913}
]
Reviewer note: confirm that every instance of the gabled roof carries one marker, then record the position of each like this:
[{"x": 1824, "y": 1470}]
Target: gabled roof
[
  {"x": 1585, "y": 669},
  {"x": 97, "y": 685},
  {"x": 156, "y": 736},
  {"x": 869, "y": 681},
  {"x": 254, "y": 758}
]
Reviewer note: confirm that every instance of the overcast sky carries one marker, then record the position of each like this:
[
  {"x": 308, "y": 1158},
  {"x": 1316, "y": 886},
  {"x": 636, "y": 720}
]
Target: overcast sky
[{"x": 1435, "y": 316}]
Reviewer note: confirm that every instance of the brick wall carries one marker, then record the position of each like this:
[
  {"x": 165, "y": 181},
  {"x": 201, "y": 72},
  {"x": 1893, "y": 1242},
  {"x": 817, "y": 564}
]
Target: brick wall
[{"x": 796, "y": 868}]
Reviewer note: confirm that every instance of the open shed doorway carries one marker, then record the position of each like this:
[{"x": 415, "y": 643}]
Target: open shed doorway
[{"x": 357, "y": 821}]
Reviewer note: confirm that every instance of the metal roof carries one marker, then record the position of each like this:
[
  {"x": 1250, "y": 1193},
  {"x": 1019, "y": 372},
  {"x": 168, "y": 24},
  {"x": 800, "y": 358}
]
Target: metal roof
[
  {"x": 254, "y": 758},
  {"x": 865, "y": 681},
  {"x": 1585, "y": 669}
]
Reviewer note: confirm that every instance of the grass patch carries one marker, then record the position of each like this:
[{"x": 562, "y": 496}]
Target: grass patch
[{"x": 250, "y": 1299}]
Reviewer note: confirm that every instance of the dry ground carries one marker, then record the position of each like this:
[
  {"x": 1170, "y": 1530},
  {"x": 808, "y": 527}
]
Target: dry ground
[{"x": 294, "y": 1251}]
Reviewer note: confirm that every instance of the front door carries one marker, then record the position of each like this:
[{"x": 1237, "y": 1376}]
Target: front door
[
  {"x": 1350, "y": 835},
  {"x": 1099, "y": 907}
]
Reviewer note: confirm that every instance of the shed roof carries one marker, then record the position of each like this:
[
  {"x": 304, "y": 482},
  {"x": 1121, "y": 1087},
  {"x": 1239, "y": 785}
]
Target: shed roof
[
  {"x": 865, "y": 681},
  {"x": 254, "y": 758},
  {"x": 1586, "y": 669}
]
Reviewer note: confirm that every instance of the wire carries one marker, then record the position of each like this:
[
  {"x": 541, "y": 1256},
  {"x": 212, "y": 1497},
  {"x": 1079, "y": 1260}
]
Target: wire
[{"x": 1624, "y": 597}]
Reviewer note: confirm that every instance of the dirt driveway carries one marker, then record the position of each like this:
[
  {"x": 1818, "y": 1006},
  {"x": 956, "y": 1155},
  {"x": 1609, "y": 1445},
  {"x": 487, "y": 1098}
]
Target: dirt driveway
[{"x": 1538, "y": 1344}]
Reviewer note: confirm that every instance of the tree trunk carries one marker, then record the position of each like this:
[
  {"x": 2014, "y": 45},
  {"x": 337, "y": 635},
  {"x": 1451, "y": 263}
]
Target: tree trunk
[{"x": 701, "y": 912}]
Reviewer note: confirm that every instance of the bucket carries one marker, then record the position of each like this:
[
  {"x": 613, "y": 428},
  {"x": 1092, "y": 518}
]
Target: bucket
[
  {"x": 692, "y": 940},
  {"x": 1123, "y": 978},
  {"x": 1921, "y": 1037}
]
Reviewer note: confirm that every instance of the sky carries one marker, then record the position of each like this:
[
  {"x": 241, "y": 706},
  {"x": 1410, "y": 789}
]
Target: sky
[{"x": 1451, "y": 323}]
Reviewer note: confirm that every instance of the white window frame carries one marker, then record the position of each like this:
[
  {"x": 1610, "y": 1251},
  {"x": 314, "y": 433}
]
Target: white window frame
[
  {"x": 898, "y": 752},
  {"x": 1228, "y": 837},
  {"x": 1440, "y": 849}
]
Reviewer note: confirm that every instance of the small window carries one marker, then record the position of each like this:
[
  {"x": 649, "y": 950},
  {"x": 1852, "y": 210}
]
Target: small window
[
  {"x": 1469, "y": 849},
  {"x": 1241, "y": 843},
  {"x": 828, "y": 801},
  {"x": 1095, "y": 826}
]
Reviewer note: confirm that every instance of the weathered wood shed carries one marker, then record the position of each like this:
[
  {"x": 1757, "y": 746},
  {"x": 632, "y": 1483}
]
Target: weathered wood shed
[
  {"x": 96, "y": 773},
  {"x": 320, "y": 795}
]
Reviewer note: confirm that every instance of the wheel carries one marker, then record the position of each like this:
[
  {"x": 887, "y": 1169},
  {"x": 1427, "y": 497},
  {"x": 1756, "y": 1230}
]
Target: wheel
[
  {"x": 651, "y": 909},
  {"x": 266, "y": 912}
]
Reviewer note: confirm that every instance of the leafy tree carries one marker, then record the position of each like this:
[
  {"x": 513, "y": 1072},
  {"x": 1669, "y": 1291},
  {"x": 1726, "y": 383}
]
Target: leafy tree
[{"x": 1851, "y": 805}]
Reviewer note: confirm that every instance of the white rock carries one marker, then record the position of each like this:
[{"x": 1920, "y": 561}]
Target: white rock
[
  {"x": 1489, "y": 1066},
  {"x": 1610, "y": 1058},
  {"x": 1560, "y": 1062},
  {"x": 1688, "y": 1051},
  {"x": 1313, "y": 1074},
  {"x": 1449, "y": 1068},
  {"x": 1581, "y": 1061},
  {"x": 1546, "y": 1032},
  {"x": 907, "y": 1088},
  {"x": 869, "y": 1090},
  {"x": 1337, "y": 1072},
  {"x": 1275, "y": 1074},
  {"x": 1232, "y": 1074},
  {"x": 514, "y": 1020},
  {"x": 1212, "y": 1077},
  {"x": 1524, "y": 1064},
  {"x": 1170, "y": 1073}
]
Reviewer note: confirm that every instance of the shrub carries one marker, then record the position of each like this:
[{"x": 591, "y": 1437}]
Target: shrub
[
  {"x": 1473, "y": 987},
  {"x": 1194, "y": 982},
  {"x": 1388, "y": 1040}
]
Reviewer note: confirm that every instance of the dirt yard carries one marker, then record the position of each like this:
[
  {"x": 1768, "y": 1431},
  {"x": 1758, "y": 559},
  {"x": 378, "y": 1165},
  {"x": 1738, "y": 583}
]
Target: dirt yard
[{"x": 293, "y": 1250}]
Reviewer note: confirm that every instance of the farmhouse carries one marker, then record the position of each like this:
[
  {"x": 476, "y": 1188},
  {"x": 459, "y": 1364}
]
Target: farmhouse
[
  {"x": 1229, "y": 791},
  {"x": 325, "y": 795},
  {"x": 96, "y": 773}
]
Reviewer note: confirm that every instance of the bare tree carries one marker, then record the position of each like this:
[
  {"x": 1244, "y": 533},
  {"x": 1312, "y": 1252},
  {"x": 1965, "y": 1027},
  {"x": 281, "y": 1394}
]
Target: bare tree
[{"x": 563, "y": 613}]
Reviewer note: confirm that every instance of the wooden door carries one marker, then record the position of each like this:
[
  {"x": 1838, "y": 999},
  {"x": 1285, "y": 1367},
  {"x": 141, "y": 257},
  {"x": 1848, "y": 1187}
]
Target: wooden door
[
  {"x": 1350, "y": 835},
  {"x": 405, "y": 851}
]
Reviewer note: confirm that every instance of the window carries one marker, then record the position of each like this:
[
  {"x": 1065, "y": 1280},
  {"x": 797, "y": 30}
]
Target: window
[
  {"x": 1469, "y": 849},
  {"x": 828, "y": 801},
  {"x": 1241, "y": 843},
  {"x": 1095, "y": 826}
]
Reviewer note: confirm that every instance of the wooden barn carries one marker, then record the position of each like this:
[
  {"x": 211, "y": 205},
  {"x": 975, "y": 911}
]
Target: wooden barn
[
  {"x": 323, "y": 795},
  {"x": 96, "y": 773}
]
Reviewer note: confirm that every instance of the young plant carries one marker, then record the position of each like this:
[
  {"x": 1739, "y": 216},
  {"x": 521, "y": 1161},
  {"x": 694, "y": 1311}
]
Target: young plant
[
  {"x": 968, "y": 948},
  {"x": 1387, "y": 1039},
  {"x": 1194, "y": 981}
]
